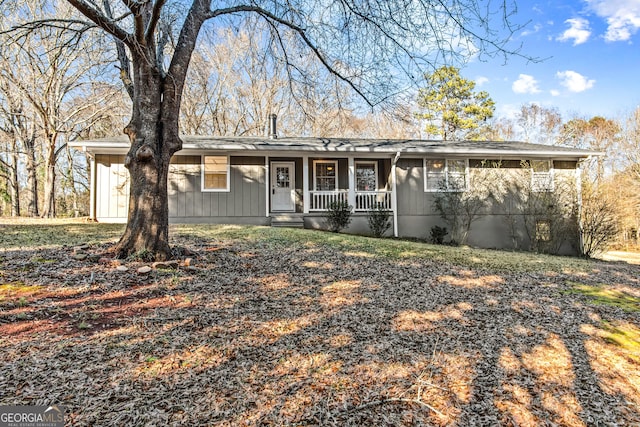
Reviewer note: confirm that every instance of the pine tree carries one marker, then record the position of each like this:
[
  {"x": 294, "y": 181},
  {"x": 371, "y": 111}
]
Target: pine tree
[{"x": 452, "y": 109}]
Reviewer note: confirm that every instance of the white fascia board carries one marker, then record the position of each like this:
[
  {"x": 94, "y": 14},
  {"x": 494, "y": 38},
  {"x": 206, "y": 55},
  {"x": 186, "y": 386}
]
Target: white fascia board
[
  {"x": 341, "y": 151},
  {"x": 101, "y": 147},
  {"x": 338, "y": 149},
  {"x": 489, "y": 153}
]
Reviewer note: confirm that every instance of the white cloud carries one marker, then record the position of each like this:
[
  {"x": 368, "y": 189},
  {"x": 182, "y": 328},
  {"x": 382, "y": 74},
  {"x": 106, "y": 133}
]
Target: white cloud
[
  {"x": 554, "y": 92},
  {"x": 536, "y": 28},
  {"x": 622, "y": 16},
  {"x": 578, "y": 31},
  {"x": 481, "y": 80},
  {"x": 525, "y": 84},
  {"x": 573, "y": 81}
]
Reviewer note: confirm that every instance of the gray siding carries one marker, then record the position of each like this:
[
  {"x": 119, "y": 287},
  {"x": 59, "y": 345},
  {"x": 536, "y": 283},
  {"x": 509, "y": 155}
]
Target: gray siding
[
  {"x": 246, "y": 198},
  {"x": 417, "y": 214},
  {"x": 412, "y": 199}
]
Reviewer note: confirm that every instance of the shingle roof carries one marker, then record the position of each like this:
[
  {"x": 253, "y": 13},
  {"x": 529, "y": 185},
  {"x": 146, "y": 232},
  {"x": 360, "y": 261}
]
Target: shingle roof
[{"x": 355, "y": 145}]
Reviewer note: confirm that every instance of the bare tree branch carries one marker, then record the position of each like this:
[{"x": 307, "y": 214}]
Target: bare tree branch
[
  {"x": 102, "y": 21},
  {"x": 123, "y": 58},
  {"x": 153, "y": 22},
  {"x": 303, "y": 36}
]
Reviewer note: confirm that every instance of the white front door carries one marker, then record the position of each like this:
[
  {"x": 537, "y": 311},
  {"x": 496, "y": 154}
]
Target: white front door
[{"x": 283, "y": 188}]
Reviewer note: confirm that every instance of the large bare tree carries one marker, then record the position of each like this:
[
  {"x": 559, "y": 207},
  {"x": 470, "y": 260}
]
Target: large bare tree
[
  {"x": 598, "y": 134},
  {"x": 539, "y": 124},
  {"x": 234, "y": 82},
  {"x": 631, "y": 145},
  {"x": 49, "y": 75},
  {"x": 18, "y": 125},
  {"x": 11, "y": 130},
  {"x": 377, "y": 48}
]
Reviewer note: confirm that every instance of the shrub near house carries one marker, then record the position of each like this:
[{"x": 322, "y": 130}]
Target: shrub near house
[{"x": 537, "y": 204}]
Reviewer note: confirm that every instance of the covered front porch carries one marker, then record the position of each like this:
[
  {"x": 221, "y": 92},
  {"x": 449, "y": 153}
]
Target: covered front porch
[{"x": 310, "y": 185}]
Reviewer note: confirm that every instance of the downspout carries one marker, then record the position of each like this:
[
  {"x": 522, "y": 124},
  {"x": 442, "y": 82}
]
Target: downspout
[
  {"x": 394, "y": 193},
  {"x": 579, "y": 201}
]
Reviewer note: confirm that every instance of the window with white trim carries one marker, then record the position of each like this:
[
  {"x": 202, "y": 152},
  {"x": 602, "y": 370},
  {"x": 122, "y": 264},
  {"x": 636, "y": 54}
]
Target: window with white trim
[
  {"x": 366, "y": 176},
  {"x": 542, "y": 175},
  {"x": 215, "y": 173},
  {"x": 445, "y": 174},
  {"x": 325, "y": 175}
]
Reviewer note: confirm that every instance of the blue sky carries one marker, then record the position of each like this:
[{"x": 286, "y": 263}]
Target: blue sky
[{"x": 592, "y": 66}]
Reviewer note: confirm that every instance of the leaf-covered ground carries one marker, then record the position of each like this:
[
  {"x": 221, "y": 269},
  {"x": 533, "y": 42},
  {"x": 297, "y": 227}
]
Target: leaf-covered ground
[{"x": 258, "y": 326}]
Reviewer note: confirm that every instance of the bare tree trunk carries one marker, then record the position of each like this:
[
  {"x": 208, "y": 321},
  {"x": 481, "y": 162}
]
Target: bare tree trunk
[
  {"x": 72, "y": 183},
  {"x": 148, "y": 221},
  {"x": 153, "y": 133},
  {"x": 49, "y": 208},
  {"x": 32, "y": 177},
  {"x": 14, "y": 181}
]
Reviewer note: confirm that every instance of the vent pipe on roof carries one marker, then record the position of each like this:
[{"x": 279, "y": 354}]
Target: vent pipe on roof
[{"x": 273, "y": 134}]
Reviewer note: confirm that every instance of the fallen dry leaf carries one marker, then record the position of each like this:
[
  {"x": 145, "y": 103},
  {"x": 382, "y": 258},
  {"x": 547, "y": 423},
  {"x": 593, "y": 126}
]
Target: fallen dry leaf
[{"x": 296, "y": 333}]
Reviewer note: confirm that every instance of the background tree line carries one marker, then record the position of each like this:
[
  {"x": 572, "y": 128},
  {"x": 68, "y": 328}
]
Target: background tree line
[{"x": 60, "y": 83}]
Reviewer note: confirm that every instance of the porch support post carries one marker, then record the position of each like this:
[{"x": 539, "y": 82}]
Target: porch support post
[
  {"x": 267, "y": 186},
  {"x": 92, "y": 188},
  {"x": 394, "y": 194},
  {"x": 305, "y": 185},
  {"x": 351, "y": 194}
]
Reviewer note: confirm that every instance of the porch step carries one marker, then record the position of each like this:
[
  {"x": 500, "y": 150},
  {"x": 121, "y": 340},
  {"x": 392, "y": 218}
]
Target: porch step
[{"x": 290, "y": 220}]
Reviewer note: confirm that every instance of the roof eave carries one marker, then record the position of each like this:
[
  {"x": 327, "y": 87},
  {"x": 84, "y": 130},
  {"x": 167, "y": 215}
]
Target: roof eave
[{"x": 121, "y": 145}]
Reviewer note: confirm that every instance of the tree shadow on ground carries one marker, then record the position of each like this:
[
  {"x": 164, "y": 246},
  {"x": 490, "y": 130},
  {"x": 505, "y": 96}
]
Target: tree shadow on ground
[{"x": 305, "y": 334}]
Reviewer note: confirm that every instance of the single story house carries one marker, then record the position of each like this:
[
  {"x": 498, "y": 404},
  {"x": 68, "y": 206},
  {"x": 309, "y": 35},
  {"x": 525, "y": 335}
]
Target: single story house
[{"x": 292, "y": 181}]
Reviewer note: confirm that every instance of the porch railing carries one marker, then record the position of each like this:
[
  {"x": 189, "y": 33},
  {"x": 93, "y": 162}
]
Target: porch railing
[
  {"x": 365, "y": 200},
  {"x": 321, "y": 200}
]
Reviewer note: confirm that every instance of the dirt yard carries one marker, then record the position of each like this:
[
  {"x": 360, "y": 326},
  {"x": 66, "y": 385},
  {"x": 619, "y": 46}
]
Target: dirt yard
[{"x": 256, "y": 326}]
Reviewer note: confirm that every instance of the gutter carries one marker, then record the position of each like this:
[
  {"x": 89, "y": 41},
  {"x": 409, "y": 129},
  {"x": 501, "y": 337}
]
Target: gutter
[{"x": 193, "y": 145}]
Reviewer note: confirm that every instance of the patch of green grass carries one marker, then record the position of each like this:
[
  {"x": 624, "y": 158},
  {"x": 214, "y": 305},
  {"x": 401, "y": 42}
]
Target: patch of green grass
[
  {"x": 395, "y": 249},
  {"x": 41, "y": 260},
  {"x": 8, "y": 290},
  {"x": 43, "y": 234},
  {"x": 38, "y": 234},
  {"x": 84, "y": 325},
  {"x": 605, "y": 295},
  {"x": 625, "y": 336},
  {"x": 18, "y": 294}
]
